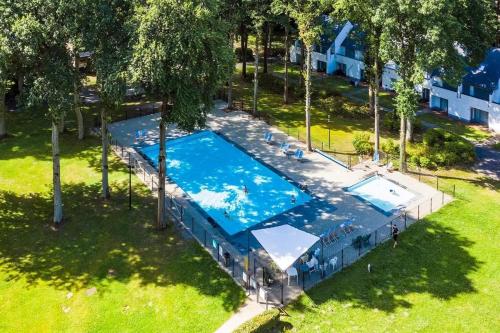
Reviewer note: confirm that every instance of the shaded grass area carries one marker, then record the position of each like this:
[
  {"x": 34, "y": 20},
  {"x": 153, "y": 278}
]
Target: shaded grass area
[
  {"x": 467, "y": 131},
  {"x": 442, "y": 277},
  {"x": 144, "y": 281}
]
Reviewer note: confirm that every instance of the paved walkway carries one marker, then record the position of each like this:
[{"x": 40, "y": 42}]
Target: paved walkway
[{"x": 247, "y": 311}]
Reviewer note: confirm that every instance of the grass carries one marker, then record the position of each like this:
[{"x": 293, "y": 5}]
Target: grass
[
  {"x": 467, "y": 131},
  {"x": 443, "y": 276},
  {"x": 144, "y": 280}
]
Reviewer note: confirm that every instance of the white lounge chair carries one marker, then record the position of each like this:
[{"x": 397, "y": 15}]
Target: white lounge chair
[
  {"x": 298, "y": 155},
  {"x": 333, "y": 262},
  {"x": 292, "y": 272},
  {"x": 268, "y": 137}
]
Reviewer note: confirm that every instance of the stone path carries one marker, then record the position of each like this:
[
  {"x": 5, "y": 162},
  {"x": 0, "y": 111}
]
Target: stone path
[{"x": 247, "y": 311}]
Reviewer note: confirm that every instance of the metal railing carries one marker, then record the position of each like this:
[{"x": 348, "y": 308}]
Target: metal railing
[{"x": 248, "y": 264}]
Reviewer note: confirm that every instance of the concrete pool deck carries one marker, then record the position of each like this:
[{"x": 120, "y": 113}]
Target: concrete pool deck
[{"x": 325, "y": 179}]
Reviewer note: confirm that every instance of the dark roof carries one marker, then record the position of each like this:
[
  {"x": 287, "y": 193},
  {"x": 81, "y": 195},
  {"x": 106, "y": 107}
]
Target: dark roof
[
  {"x": 331, "y": 29},
  {"x": 355, "y": 40},
  {"x": 487, "y": 74}
]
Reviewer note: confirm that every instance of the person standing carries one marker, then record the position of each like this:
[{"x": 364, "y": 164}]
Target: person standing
[{"x": 395, "y": 233}]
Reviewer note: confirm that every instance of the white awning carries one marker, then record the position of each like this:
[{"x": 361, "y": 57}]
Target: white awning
[{"x": 285, "y": 244}]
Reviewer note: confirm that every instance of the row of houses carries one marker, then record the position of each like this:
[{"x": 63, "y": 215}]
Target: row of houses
[{"x": 476, "y": 99}]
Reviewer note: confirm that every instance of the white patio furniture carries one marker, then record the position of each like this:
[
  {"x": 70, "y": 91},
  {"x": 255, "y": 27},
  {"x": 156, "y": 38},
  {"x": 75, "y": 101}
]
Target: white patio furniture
[{"x": 333, "y": 262}]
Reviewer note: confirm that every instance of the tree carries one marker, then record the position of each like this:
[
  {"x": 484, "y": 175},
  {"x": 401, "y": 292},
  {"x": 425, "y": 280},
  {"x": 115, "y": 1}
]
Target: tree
[
  {"x": 182, "y": 55},
  {"x": 5, "y": 56},
  {"x": 308, "y": 16},
  {"x": 278, "y": 8},
  {"x": 50, "y": 80},
  {"x": 259, "y": 13},
  {"x": 366, "y": 13},
  {"x": 234, "y": 13},
  {"x": 424, "y": 35},
  {"x": 108, "y": 36}
]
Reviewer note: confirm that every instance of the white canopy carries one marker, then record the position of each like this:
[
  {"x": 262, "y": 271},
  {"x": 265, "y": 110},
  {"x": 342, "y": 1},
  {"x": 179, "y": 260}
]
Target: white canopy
[{"x": 285, "y": 244}]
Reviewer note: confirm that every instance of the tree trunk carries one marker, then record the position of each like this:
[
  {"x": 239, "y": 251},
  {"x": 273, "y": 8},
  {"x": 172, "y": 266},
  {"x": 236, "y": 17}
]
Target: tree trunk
[
  {"x": 402, "y": 145},
  {"x": 20, "y": 83},
  {"x": 61, "y": 124},
  {"x": 409, "y": 130},
  {"x": 308, "y": 97},
  {"x": 285, "y": 90},
  {"x": 266, "y": 47},
  {"x": 160, "y": 220},
  {"x": 76, "y": 102},
  {"x": 376, "y": 109},
  {"x": 104, "y": 138},
  {"x": 244, "y": 47},
  {"x": 302, "y": 56},
  {"x": 370, "y": 97},
  {"x": 3, "y": 130},
  {"x": 256, "y": 76},
  {"x": 56, "y": 174},
  {"x": 230, "y": 79}
]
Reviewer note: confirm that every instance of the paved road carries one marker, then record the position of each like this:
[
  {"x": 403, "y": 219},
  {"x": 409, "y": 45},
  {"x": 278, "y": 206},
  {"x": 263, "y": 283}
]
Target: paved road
[{"x": 489, "y": 159}]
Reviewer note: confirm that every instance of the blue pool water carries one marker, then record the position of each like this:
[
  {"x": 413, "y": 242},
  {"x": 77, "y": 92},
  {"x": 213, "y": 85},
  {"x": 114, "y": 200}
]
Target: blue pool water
[
  {"x": 213, "y": 172},
  {"x": 382, "y": 193}
]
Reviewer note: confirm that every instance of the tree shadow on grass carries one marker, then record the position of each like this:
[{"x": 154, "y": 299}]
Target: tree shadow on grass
[
  {"x": 102, "y": 242},
  {"x": 431, "y": 259}
]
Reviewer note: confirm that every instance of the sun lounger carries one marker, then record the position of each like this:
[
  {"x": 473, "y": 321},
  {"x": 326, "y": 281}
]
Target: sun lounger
[
  {"x": 285, "y": 148},
  {"x": 268, "y": 137},
  {"x": 299, "y": 155},
  {"x": 139, "y": 136}
]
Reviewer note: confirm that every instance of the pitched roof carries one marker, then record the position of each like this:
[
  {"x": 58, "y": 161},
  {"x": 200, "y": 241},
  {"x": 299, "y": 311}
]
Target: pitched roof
[{"x": 487, "y": 74}]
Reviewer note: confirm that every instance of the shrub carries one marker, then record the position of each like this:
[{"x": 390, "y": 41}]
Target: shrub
[
  {"x": 390, "y": 147},
  {"x": 339, "y": 107},
  {"x": 362, "y": 145},
  {"x": 391, "y": 122},
  {"x": 442, "y": 148},
  {"x": 268, "y": 321}
]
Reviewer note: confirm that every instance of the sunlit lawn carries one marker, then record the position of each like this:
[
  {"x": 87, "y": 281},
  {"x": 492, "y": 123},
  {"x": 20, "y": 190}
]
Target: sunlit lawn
[
  {"x": 144, "y": 281},
  {"x": 468, "y": 131}
]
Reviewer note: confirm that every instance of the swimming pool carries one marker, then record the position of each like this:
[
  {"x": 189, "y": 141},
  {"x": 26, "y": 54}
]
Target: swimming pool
[
  {"x": 382, "y": 193},
  {"x": 214, "y": 173}
]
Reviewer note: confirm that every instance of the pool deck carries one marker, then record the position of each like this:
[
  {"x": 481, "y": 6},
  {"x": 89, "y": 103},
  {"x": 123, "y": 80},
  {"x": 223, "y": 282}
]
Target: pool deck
[{"x": 325, "y": 179}]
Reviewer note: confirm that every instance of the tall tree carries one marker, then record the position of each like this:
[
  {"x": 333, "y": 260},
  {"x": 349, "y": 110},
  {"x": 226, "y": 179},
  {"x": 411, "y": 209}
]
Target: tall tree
[
  {"x": 308, "y": 16},
  {"x": 423, "y": 35},
  {"x": 108, "y": 35},
  {"x": 181, "y": 54},
  {"x": 278, "y": 8},
  {"x": 259, "y": 13},
  {"x": 366, "y": 13},
  {"x": 5, "y": 56},
  {"x": 50, "y": 81}
]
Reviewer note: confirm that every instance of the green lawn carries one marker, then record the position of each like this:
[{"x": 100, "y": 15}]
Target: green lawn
[
  {"x": 468, "y": 131},
  {"x": 144, "y": 281},
  {"x": 443, "y": 277}
]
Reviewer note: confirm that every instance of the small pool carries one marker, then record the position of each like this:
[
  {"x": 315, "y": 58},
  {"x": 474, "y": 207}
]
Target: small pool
[
  {"x": 214, "y": 173},
  {"x": 382, "y": 193}
]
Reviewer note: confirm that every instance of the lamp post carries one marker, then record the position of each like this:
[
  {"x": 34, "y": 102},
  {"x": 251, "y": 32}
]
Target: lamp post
[{"x": 129, "y": 182}]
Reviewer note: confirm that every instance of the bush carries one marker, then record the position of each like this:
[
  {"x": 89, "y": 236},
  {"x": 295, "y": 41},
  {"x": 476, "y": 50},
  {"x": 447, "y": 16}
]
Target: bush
[
  {"x": 239, "y": 54},
  {"x": 390, "y": 147},
  {"x": 362, "y": 144},
  {"x": 442, "y": 148},
  {"x": 391, "y": 122},
  {"x": 267, "y": 322}
]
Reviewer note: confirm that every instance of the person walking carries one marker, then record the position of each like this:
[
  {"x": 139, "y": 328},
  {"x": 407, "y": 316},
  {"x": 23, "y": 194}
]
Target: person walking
[{"x": 395, "y": 233}]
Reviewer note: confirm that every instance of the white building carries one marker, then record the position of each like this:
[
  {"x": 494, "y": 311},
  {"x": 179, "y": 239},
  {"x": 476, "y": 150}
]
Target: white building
[
  {"x": 476, "y": 99},
  {"x": 343, "y": 54}
]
